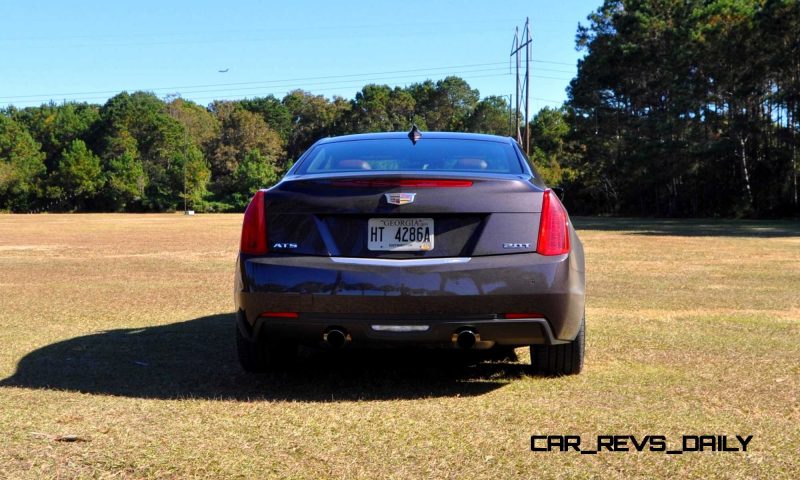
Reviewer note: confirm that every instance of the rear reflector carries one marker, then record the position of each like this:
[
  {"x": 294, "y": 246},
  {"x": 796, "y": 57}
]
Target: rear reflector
[
  {"x": 511, "y": 316},
  {"x": 279, "y": 314},
  {"x": 254, "y": 227},
  {"x": 553, "y": 226},
  {"x": 412, "y": 183},
  {"x": 401, "y": 328}
]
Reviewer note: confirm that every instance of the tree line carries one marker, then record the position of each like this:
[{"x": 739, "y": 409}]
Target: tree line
[
  {"x": 138, "y": 152},
  {"x": 687, "y": 108},
  {"x": 678, "y": 108}
]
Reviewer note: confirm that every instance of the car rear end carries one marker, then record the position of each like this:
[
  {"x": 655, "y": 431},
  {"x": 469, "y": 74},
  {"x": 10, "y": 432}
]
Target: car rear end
[{"x": 380, "y": 240}]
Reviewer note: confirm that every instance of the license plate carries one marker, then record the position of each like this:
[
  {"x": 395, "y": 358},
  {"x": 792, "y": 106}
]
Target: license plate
[{"x": 400, "y": 234}]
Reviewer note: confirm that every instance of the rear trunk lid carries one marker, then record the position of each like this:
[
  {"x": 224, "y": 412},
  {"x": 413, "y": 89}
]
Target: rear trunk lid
[{"x": 439, "y": 216}]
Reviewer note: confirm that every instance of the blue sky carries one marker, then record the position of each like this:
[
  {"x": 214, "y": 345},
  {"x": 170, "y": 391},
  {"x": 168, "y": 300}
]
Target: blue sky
[{"x": 90, "y": 50}]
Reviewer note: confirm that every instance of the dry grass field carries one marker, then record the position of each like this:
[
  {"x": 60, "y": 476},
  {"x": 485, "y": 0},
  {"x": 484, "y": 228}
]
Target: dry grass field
[{"x": 116, "y": 332}]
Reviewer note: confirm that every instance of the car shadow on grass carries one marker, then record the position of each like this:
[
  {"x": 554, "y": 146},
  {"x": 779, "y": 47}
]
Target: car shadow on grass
[
  {"x": 197, "y": 359},
  {"x": 691, "y": 227}
]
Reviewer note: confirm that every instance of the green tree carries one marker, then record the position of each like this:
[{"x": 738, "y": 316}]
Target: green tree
[
  {"x": 160, "y": 143},
  {"x": 242, "y": 132},
  {"x": 124, "y": 188},
  {"x": 445, "y": 105},
  {"x": 197, "y": 176},
  {"x": 78, "y": 176},
  {"x": 253, "y": 173},
  {"x": 550, "y": 149},
  {"x": 379, "y": 108},
  {"x": 21, "y": 166},
  {"x": 491, "y": 115},
  {"x": 56, "y": 126},
  {"x": 313, "y": 117},
  {"x": 273, "y": 111},
  {"x": 198, "y": 122}
]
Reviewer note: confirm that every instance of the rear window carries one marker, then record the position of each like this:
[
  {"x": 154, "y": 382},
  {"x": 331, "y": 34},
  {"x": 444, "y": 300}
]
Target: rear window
[{"x": 437, "y": 155}]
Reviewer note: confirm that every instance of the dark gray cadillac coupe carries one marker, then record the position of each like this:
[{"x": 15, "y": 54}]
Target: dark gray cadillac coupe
[{"x": 420, "y": 238}]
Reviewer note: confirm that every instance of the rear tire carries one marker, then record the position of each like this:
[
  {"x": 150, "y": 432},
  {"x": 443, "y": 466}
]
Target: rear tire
[
  {"x": 563, "y": 359},
  {"x": 260, "y": 356}
]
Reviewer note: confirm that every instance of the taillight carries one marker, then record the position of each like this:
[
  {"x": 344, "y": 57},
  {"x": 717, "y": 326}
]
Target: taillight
[
  {"x": 279, "y": 314},
  {"x": 254, "y": 227},
  {"x": 553, "y": 226},
  {"x": 513, "y": 316}
]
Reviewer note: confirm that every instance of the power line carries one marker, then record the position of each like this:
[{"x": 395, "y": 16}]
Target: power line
[
  {"x": 553, "y": 63},
  {"x": 316, "y": 90},
  {"x": 27, "y": 99},
  {"x": 333, "y": 89},
  {"x": 297, "y": 79},
  {"x": 330, "y": 86},
  {"x": 257, "y": 92},
  {"x": 247, "y": 40},
  {"x": 286, "y": 28},
  {"x": 368, "y": 80},
  {"x": 353, "y": 75}
]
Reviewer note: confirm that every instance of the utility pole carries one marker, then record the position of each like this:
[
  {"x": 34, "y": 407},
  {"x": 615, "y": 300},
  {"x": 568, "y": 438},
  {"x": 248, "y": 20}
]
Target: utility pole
[
  {"x": 514, "y": 50},
  {"x": 511, "y": 115},
  {"x": 528, "y": 44},
  {"x": 517, "y": 45}
]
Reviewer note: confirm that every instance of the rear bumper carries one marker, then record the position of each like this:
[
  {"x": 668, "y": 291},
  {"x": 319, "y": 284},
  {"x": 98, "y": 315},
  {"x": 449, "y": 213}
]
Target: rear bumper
[
  {"x": 437, "y": 332},
  {"x": 444, "y": 295}
]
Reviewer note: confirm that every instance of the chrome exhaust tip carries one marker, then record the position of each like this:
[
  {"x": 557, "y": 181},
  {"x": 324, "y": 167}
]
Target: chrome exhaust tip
[
  {"x": 466, "y": 338},
  {"x": 335, "y": 338}
]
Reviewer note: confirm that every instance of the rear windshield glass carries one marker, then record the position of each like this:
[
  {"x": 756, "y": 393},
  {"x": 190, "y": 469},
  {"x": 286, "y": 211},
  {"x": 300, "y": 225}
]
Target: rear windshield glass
[{"x": 438, "y": 155}]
